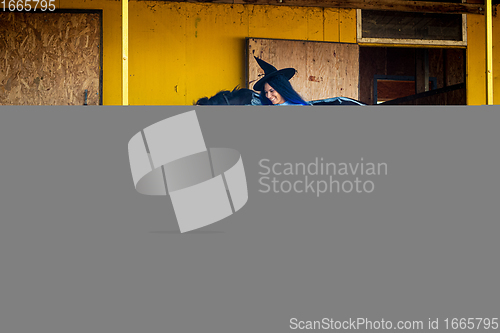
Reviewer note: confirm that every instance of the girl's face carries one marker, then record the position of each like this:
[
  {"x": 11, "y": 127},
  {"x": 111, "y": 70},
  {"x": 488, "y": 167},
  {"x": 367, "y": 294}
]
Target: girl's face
[{"x": 273, "y": 95}]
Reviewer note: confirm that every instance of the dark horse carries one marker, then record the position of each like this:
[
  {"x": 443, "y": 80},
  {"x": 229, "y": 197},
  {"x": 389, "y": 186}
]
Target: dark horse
[
  {"x": 236, "y": 97},
  {"x": 249, "y": 97}
]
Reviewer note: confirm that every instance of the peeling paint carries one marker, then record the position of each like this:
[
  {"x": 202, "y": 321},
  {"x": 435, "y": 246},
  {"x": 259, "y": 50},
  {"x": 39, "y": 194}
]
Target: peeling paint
[
  {"x": 315, "y": 78},
  {"x": 196, "y": 21},
  {"x": 151, "y": 7}
]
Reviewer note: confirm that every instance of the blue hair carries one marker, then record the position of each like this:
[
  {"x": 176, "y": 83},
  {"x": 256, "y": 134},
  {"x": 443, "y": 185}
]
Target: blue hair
[{"x": 285, "y": 89}]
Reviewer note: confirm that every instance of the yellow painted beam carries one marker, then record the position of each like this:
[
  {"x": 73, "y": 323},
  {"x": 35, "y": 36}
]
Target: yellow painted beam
[
  {"x": 331, "y": 26},
  {"x": 347, "y": 25},
  {"x": 413, "y": 46},
  {"x": 489, "y": 54},
  {"x": 124, "y": 52}
]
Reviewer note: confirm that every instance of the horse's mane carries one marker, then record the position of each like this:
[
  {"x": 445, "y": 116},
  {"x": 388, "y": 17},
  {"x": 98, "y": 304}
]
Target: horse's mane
[
  {"x": 242, "y": 96},
  {"x": 238, "y": 96}
]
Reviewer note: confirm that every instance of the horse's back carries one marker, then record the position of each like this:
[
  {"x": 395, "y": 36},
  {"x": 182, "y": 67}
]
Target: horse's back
[
  {"x": 336, "y": 101},
  {"x": 243, "y": 96}
]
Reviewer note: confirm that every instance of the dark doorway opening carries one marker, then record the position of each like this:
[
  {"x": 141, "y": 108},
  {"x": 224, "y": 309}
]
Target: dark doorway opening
[{"x": 407, "y": 72}]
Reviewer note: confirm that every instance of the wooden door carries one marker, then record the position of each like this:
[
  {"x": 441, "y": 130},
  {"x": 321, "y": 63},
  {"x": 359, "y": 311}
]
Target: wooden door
[
  {"x": 50, "y": 58},
  {"x": 324, "y": 69}
]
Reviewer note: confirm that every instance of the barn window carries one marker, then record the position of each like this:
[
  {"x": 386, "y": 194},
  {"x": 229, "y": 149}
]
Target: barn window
[{"x": 377, "y": 26}]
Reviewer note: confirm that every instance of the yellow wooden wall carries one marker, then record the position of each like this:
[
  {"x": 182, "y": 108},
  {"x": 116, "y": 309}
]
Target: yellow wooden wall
[
  {"x": 182, "y": 51},
  {"x": 476, "y": 59}
]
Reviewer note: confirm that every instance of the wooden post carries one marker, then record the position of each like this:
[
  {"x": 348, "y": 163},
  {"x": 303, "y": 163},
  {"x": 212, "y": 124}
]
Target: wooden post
[
  {"x": 124, "y": 52},
  {"x": 421, "y": 70},
  {"x": 489, "y": 54}
]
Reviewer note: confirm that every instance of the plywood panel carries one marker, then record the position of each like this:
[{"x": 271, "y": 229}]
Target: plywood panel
[
  {"x": 49, "y": 58},
  {"x": 324, "y": 70}
]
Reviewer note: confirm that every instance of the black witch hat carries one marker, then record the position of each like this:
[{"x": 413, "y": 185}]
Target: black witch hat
[{"x": 271, "y": 71}]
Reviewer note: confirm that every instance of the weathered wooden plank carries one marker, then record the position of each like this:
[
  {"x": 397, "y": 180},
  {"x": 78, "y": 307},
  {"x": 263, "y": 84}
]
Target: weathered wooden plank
[
  {"x": 318, "y": 77},
  {"x": 394, "y": 5},
  {"x": 421, "y": 70},
  {"x": 347, "y": 25},
  {"x": 437, "y": 65},
  {"x": 372, "y": 61},
  {"x": 323, "y": 69},
  {"x": 455, "y": 67},
  {"x": 331, "y": 25}
]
